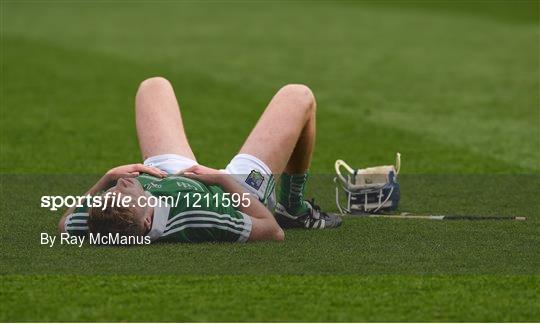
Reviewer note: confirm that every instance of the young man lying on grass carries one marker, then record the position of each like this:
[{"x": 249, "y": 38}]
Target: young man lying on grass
[{"x": 212, "y": 204}]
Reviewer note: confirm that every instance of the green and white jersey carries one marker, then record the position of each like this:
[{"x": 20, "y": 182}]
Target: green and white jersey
[{"x": 189, "y": 211}]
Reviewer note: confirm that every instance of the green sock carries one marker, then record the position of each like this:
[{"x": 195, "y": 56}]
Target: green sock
[{"x": 291, "y": 195}]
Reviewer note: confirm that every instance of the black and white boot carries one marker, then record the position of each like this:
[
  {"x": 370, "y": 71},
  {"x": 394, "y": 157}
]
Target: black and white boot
[{"x": 314, "y": 218}]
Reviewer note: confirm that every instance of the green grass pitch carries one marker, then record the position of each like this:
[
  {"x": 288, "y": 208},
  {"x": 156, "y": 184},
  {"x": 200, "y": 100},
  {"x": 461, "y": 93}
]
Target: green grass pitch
[{"x": 451, "y": 85}]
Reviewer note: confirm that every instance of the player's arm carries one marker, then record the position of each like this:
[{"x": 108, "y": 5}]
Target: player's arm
[
  {"x": 102, "y": 184},
  {"x": 264, "y": 226},
  {"x": 108, "y": 179}
]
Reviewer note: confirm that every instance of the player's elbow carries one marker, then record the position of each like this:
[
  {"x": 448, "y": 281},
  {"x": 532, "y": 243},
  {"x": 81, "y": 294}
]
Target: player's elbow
[
  {"x": 279, "y": 235},
  {"x": 61, "y": 226}
]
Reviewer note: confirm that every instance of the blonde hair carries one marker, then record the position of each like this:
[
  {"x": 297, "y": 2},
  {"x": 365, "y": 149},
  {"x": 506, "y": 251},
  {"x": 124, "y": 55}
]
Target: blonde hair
[{"x": 114, "y": 220}]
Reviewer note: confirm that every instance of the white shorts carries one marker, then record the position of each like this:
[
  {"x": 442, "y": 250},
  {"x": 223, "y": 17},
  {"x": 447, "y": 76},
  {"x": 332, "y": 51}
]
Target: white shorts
[
  {"x": 250, "y": 172},
  {"x": 255, "y": 176},
  {"x": 170, "y": 163}
]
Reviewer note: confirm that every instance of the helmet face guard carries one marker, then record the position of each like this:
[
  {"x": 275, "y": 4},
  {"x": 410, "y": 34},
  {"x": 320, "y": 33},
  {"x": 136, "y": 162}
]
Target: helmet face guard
[{"x": 370, "y": 190}]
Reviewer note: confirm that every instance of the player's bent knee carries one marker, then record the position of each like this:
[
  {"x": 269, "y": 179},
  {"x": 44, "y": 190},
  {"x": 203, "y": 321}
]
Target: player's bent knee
[
  {"x": 155, "y": 84},
  {"x": 300, "y": 93}
]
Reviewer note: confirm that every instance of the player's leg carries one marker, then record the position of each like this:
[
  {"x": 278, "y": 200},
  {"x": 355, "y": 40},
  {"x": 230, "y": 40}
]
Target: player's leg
[
  {"x": 284, "y": 136},
  {"x": 288, "y": 120},
  {"x": 162, "y": 139},
  {"x": 283, "y": 139}
]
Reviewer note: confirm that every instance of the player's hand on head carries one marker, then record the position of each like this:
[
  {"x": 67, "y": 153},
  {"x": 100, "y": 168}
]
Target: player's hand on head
[{"x": 133, "y": 170}]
